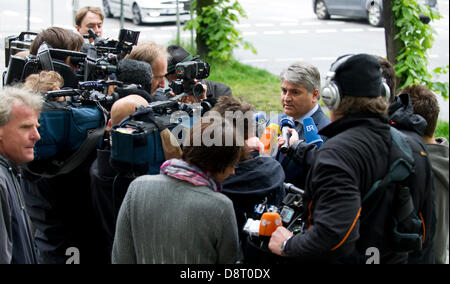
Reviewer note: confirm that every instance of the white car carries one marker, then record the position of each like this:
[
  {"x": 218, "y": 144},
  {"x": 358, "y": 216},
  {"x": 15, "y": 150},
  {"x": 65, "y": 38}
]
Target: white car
[{"x": 148, "y": 11}]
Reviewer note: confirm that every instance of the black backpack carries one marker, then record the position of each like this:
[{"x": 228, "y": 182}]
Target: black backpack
[{"x": 405, "y": 227}]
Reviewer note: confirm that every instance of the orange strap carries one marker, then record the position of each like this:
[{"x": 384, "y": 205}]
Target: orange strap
[
  {"x": 423, "y": 226},
  {"x": 349, "y": 231}
]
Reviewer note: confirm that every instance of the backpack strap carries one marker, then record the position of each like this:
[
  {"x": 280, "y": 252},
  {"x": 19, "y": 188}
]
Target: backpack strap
[{"x": 77, "y": 158}]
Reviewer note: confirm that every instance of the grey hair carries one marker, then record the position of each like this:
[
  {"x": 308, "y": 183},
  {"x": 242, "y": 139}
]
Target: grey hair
[
  {"x": 10, "y": 95},
  {"x": 303, "y": 74}
]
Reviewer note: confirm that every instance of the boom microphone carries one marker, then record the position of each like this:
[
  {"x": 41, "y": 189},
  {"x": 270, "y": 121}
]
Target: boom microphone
[
  {"x": 286, "y": 123},
  {"x": 131, "y": 71},
  {"x": 311, "y": 133}
]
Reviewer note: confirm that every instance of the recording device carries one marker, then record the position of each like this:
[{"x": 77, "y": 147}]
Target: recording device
[
  {"x": 311, "y": 133},
  {"x": 122, "y": 47},
  {"x": 188, "y": 73},
  {"x": 267, "y": 218},
  {"x": 16, "y": 44},
  {"x": 261, "y": 121},
  {"x": 286, "y": 123}
]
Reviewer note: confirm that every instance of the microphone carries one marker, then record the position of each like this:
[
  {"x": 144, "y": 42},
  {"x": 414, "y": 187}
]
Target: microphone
[
  {"x": 261, "y": 121},
  {"x": 270, "y": 221},
  {"x": 286, "y": 123},
  {"x": 131, "y": 71},
  {"x": 311, "y": 133},
  {"x": 269, "y": 137}
]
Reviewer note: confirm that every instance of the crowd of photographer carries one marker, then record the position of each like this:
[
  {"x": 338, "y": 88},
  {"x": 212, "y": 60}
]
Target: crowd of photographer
[{"x": 99, "y": 154}]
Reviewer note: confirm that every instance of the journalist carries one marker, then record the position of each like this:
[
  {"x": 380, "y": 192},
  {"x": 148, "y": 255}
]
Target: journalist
[
  {"x": 155, "y": 55},
  {"x": 345, "y": 169},
  {"x": 300, "y": 94},
  {"x": 414, "y": 125},
  {"x": 189, "y": 220},
  {"x": 214, "y": 90},
  {"x": 108, "y": 187},
  {"x": 19, "y": 113},
  {"x": 425, "y": 104},
  {"x": 89, "y": 17},
  {"x": 257, "y": 177},
  {"x": 58, "y": 38}
]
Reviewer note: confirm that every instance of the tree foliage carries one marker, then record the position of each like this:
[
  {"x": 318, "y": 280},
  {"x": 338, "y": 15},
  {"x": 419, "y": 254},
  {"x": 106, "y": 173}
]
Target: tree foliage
[
  {"x": 214, "y": 23},
  {"x": 417, "y": 38}
]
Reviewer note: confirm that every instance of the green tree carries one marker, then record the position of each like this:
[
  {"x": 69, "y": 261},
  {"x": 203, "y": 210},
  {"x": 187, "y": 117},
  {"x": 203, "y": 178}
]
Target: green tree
[
  {"x": 408, "y": 40},
  {"x": 216, "y": 36}
]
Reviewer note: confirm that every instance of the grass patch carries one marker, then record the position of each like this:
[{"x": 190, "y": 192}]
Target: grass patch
[
  {"x": 442, "y": 129},
  {"x": 252, "y": 85}
]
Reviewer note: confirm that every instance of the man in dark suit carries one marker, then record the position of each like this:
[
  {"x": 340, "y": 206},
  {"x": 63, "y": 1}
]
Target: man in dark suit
[{"x": 300, "y": 94}]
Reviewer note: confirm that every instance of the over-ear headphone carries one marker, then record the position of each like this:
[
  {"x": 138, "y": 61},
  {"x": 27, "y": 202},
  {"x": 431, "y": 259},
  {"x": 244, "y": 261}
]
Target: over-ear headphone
[{"x": 331, "y": 91}]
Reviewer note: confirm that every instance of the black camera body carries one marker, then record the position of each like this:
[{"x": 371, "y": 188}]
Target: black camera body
[{"x": 187, "y": 74}]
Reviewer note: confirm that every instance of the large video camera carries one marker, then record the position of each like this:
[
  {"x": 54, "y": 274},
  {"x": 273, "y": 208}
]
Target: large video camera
[
  {"x": 102, "y": 58},
  {"x": 187, "y": 75},
  {"x": 96, "y": 63}
]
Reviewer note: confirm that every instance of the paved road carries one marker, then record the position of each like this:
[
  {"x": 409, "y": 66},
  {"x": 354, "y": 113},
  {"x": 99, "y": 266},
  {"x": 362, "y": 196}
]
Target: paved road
[{"x": 282, "y": 32}]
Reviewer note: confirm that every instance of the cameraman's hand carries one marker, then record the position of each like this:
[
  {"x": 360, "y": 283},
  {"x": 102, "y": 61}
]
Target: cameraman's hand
[
  {"x": 277, "y": 239},
  {"x": 191, "y": 99},
  {"x": 292, "y": 140}
]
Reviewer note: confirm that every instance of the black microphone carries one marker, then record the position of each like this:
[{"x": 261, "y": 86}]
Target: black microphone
[
  {"x": 135, "y": 72},
  {"x": 286, "y": 123}
]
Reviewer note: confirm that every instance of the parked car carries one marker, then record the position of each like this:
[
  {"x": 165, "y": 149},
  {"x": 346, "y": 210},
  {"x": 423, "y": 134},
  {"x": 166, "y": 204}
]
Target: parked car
[
  {"x": 372, "y": 10},
  {"x": 148, "y": 11}
]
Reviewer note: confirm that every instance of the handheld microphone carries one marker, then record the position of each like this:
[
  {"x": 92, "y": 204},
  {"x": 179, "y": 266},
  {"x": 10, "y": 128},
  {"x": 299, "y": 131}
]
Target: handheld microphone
[
  {"x": 269, "y": 138},
  {"x": 270, "y": 221},
  {"x": 311, "y": 132},
  {"x": 286, "y": 123},
  {"x": 131, "y": 71},
  {"x": 261, "y": 121}
]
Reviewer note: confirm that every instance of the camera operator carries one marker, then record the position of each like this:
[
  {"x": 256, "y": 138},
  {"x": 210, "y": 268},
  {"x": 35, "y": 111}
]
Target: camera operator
[
  {"x": 345, "y": 169},
  {"x": 58, "y": 38},
  {"x": 155, "y": 55},
  {"x": 107, "y": 188},
  {"x": 89, "y": 17},
  {"x": 44, "y": 81},
  {"x": 214, "y": 90}
]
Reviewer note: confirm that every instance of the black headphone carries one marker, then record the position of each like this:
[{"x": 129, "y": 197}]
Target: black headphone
[{"x": 331, "y": 91}]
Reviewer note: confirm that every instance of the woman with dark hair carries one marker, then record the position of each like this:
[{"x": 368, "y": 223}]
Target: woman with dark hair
[{"x": 180, "y": 216}]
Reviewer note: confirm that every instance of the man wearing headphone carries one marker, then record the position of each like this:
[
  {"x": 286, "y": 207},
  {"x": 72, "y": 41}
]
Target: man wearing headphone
[{"x": 344, "y": 169}]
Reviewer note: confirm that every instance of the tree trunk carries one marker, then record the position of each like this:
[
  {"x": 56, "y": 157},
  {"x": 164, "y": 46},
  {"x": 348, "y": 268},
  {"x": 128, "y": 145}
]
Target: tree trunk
[
  {"x": 202, "y": 48},
  {"x": 390, "y": 30}
]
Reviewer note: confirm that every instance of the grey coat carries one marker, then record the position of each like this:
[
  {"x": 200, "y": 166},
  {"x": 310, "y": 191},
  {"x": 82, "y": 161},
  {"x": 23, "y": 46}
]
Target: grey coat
[
  {"x": 163, "y": 220},
  {"x": 438, "y": 154}
]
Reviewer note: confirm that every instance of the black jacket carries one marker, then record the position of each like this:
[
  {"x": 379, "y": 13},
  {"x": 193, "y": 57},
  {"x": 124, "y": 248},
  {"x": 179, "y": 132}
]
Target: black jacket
[
  {"x": 402, "y": 117},
  {"x": 108, "y": 190},
  {"x": 345, "y": 168},
  {"x": 16, "y": 239},
  {"x": 254, "y": 180}
]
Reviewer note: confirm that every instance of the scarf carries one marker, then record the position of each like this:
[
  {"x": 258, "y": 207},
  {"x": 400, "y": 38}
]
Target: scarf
[{"x": 181, "y": 170}]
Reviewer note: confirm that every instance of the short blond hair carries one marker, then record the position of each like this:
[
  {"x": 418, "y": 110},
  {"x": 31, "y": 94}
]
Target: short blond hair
[
  {"x": 149, "y": 52},
  {"x": 44, "y": 81}
]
